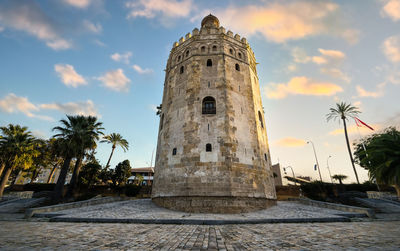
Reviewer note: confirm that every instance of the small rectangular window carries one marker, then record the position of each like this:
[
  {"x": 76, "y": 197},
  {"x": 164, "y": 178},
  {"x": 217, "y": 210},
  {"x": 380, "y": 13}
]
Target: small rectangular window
[
  {"x": 174, "y": 151},
  {"x": 265, "y": 157}
]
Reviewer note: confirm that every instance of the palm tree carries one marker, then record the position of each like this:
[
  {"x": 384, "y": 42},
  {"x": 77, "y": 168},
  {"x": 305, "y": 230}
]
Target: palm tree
[
  {"x": 80, "y": 133},
  {"x": 116, "y": 140},
  {"x": 343, "y": 111},
  {"x": 55, "y": 151},
  {"x": 339, "y": 177},
  {"x": 18, "y": 149}
]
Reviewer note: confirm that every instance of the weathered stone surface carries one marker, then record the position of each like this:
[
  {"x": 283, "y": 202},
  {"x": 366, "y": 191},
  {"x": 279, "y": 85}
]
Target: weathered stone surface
[{"x": 239, "y": 164}]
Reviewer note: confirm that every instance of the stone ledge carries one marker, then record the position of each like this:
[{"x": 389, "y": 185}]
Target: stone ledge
[
  {"x": 32, "y": 211},
  {"x": 369, "y": 212},
  {"x": 198, "y": 222},
  {"x": 214, "y": 204}
]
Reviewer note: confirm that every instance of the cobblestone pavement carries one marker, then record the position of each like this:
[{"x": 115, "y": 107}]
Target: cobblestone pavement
[
  {"x": 372, "y": 235},
  {"x": 146, "y": 209}
]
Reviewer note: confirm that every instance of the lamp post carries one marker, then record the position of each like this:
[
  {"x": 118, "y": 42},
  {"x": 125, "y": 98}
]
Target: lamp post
[
  {"x": 294, "y": 177},
  {"x": 327, "y": 165},
  {"x": 316, "y": 159}
]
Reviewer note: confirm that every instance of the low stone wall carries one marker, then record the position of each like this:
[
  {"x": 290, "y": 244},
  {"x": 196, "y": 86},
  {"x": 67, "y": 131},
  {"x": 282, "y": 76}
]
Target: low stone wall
[
  {"x": 381, "y": 195},
  {"x": 285, "y": 192},
  {"x": 203, "y": 204}
]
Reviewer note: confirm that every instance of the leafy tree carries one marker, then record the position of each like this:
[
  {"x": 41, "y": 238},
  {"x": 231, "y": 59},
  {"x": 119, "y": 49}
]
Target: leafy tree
[
  {"x": 139, "y": 178},
  {"x": 79, "y": 134},
  {"x": 121, "y": 173},
  {"x": 106, "y": 175},
  {"x": 90, "y": 173},
  {"x": 381, "y": 157},
  {"x": 343, "y": 111},
  {"x": 339, "y": 177},
  {"x": 18, "y": 150},
  {"x": 116, "y": 140}
]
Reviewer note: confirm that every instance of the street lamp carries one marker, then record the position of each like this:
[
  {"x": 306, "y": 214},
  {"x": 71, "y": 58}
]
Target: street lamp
[
  {"x": 294, "y": 177},
  {"x": 327, "y": 165},
  {"x": 316, "y": 159}
]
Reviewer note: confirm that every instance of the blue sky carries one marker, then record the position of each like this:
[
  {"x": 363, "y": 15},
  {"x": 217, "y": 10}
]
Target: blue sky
[{"x": 107, "y": 58}]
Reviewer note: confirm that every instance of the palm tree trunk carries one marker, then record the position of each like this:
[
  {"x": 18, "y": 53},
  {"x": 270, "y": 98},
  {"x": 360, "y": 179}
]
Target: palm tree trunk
[
  {"x": 4, "y": 180},
  {"x": 59, "y": 189},
  {"x": 34, "y": 175},
  {"x": 109, "y": 159},
  {"x": 2, "y": 169},
  {"x": 53, "y": 170},
  {"x": 348, "y": 148},
  {"x": 74, "y": 180}
]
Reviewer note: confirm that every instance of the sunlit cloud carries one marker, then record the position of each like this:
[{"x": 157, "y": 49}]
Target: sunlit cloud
[
  {"x": 92, "y": 27},
  {"x": 81, "y": 4},
  {"x": 27, "y": 16},
  {"x": 85, "y": 108},
  {"x": 159, "y": 8},
  {"x": 291, "y": 142},
  {"x": 391, "y": 9},
  {"x": 371, "y": 94},
  {"x": 301, "y": 86},
  {"x": 140, "y": 70},
  {"x": 391, "y": 48},
  {"x": 115, "y": 80},
  {"x": 99, "y": 43},
  {"x": 280, "y": 22},
  {"x": 124, "y": 57},
  {"x": 69, "y": 76},
  {"x": 14, "y": 104}
]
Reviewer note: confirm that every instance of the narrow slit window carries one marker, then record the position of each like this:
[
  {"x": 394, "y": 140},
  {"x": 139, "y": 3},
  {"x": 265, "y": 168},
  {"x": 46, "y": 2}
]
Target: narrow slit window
[
  {"x": 208, "y": 147},
  {"x": 240, "y": 55},
  {"x": 231, "y": 51},
  {"x": 208, "y": 127},
  {"x": 237, "y": 67},
  {"x": 265, "y": 157},
  {"x": 209, "y": 62},
  {"x": 260, "y": 119},
  {"x": 182, "y": 70},
  {"x": 187, "y": 53},
  {"x": 174, "y": 151},
  {"x": 209, "y": 84},
  {"x": 179, "y": 58}
]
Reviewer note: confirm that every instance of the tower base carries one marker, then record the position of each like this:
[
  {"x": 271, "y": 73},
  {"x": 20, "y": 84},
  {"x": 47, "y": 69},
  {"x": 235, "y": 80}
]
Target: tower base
[{"x": 214, "y": 204}]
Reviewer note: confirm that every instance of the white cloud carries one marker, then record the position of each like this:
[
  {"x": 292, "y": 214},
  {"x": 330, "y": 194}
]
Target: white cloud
[
  {"x": 391, "y": 9},
  {"x": 81, "y": 4},
  {"x": 371, "y": 94},
  {"x": 300, "y": 55},
  {"x": 115, "y": 80},
  {"x": 301, "y": 86},
  {"x": 74, "y": 108},
  {"x": 352, "y": 36},
  {"x": 124, "y": 58},
  {"x": 336, "y": 73},
  {"x": 391, "y": 48},
  {"x": 99, "y": 43},
  {"x": 28, "y": 17},
  {"x": 1, "y": 28},
  {"x": 162, "y": 8},
  {"x": 95, "y": 28},
  {"x": 69, "y": 76},
  {"x": 140, "y": 70},
  {"x": 333, "y": 54},
  {"x": 13, "y": 104}
]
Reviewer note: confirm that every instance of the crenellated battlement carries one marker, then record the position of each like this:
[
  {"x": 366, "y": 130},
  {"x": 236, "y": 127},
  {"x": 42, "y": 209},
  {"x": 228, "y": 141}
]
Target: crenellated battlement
[{"x": 210, "y": 31}]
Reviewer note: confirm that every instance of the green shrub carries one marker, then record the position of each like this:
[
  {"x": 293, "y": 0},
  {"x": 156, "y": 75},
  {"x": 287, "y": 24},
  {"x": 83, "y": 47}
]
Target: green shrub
[{"x": 132, "y": 190}]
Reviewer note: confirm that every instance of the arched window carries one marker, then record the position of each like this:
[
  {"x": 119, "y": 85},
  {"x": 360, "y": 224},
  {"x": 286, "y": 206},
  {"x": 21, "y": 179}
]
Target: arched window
[
  {"x": 161, "y": 121},
  {"x": 231, "y": 51},
  {"x": 237, "y": 67},
  {"x": 182, "y": 70},
  {"x": 179, "y": 58},
  {"x": 209, "y": 106},
  {"x": 209, "y": 62},
  {"x": 187, "y": 53},
  {"x": 174, "y": 151},
  {"x": 214, "y": 48},
  {"x": 260, "y": 119},
  {"x": 208, "y": 147},
  {"x": 240, "y": 55},
  {"x": 203, "y": 49}
]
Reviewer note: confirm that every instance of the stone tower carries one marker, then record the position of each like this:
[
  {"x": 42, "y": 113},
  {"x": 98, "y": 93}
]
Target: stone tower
[{"x": 212, "y": 152}]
